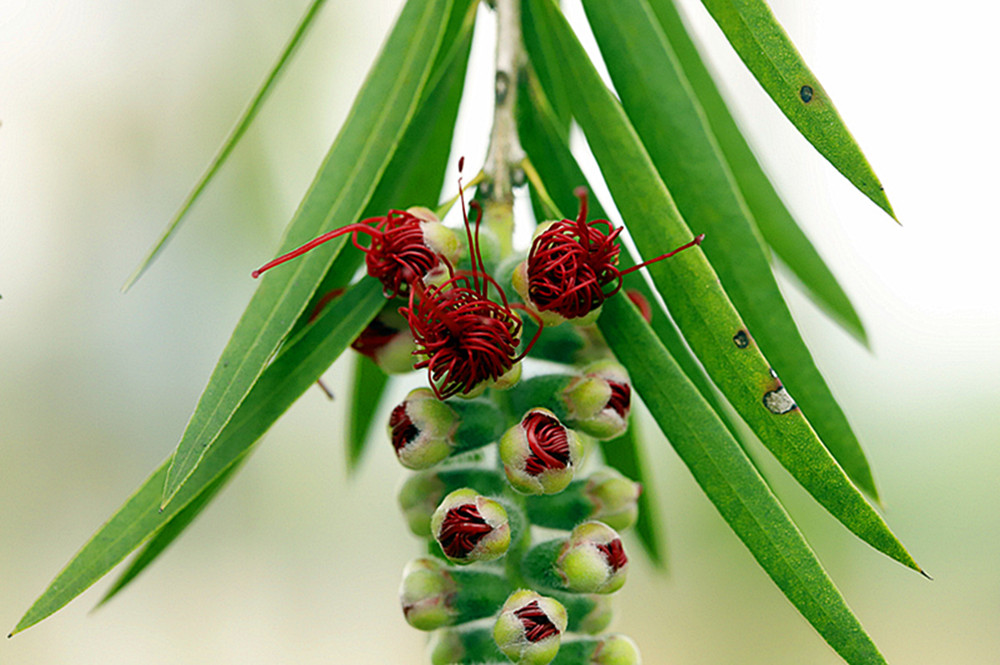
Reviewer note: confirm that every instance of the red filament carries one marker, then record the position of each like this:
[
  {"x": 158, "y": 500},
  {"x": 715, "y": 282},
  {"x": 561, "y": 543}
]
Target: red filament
[
  {"x": 572, "y": 263},
  {"x": 614, "y": 554},
  {"x": 537, "y": 625},
  {"x": 548, "y": 442},
  {"x": 396, "y": 256},
  {"x": 465, "y": 338},
  {"x": 404, "y": 431},
  {"x": 462, "y": 529},
  {"x": 621, "y": 398}
]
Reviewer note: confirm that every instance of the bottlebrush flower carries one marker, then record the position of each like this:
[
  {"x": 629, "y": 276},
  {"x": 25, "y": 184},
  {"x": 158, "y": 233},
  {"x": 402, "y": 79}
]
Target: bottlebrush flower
[
  {"x": 540, "y": 454},
  {"x": 530, "y": 627},
  {"x": 421, "y": 429},
  {"x": 593, "y": 559},
  {"x": 406, "y": 246},
  {"x": 572, "y": 267},
  {"x": 466, "y": 340},
  {"x": 470, "y": 527}
]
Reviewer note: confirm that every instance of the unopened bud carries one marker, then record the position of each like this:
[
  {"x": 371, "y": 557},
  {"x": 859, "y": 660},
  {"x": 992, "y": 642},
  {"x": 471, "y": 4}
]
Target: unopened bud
[
  {"x": 434, "y": 595},
  {"x": 470, "y": 527},
  {"x": 388, "y": 342},
  {"x": 421, "y": 493},
  {"x": 540, "y": 454},
  {"x": 530, "y": 627},
  {"x": 599, "y": 402},
  {"x": 593, "y": 559},
  {"x": 421, "y": 429},
  {"x": 614, "y": 649},
  {"x": 606, "y": 495}
]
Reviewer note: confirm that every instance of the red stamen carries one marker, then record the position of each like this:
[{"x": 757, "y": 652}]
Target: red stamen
[
  {"x": 403, "y": 429},
  {"x": 462, "y": 529},
  {"x": 571, "y": 263},
  {"x": 621, "y": 398},
  {"x": 614, "y": 554},
  {"x": 537, "y": 625},
  {"x": 547, "y": 441}
]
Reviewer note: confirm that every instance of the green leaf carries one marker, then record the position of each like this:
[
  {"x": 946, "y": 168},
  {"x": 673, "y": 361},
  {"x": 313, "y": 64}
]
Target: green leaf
[
  {"x": 731, "y": 482},
  {"x": 771, "y": 57},
  {"x": 692, "y": 291},
  {"x": 338, "y": 195},
  {"x": 140, "y": 518},
  {"x": 172, "y": 529},
  {"x": 366, "y": 395},
  {"x": 249, "y": 113},
  {"x": 670, "y": 124},
  {"x": 625, "y": 454},
  {"x": 773, "y": 219},
  {"x": 558, "y": 175}
]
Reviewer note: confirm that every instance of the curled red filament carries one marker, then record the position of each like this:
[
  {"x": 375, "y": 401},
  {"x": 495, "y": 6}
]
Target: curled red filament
[
  {"x": 614, "y": 554},
  {"x": 404, "y": 431},
  {"x": 621, "y": 398},
  {"x": 462, "y": 529},
  {"x": 537, "y": 625},
  {"x": 572, "y": 263},
  {"x": 396, "y": 256},
  {"x": 548, "y": 442},
  {"x": 465, "y": 338}
]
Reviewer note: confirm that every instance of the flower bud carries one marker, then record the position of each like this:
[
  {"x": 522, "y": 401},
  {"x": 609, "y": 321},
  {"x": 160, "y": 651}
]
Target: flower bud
[
  {"x": 463, "y": 645},
  {"x": 599, "y": 402},
  {"x": 425, "y": 593},
  {"x": 617, "y": 649},
  {"x": 530, "y": 627},
  {"x": 434, "y": 595},
  {"x": 593, "y": 559},
  {"x": 540, "y": 454},
  {"x": 421, "y": 493},
  {"x": 421, "y": 429},
  {"x": 470, "y": 527},
  {"x": 615, "y": 498},
  {"x": 588, "y": 613},
  {"x": 388, "y": 342}
]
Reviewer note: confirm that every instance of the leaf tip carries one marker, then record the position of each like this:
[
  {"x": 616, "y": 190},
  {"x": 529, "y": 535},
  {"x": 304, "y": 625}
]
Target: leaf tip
[{"x": 925, "y": 574}]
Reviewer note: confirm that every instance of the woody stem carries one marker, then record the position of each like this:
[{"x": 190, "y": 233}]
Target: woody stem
[{"x": 502, "y": 168}]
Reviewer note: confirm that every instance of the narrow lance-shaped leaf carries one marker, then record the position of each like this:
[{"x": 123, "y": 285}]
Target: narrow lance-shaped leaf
[
  {"x": 775, "y": 222},
  {"x": 731, "y": 483},
  {"x": 338, "y": 195},
  {"x": 692, "y": 291},
  {"x": 172, "y": 529},
  {"x": 771, "y": 57},
  {"x": 560, "y": 175},
  {"x": 670, "y": 124},
  {"x": 430, "y": 151},
  {"x": 140, "y": 518},
  {"x": 235, "y": 134},
  {"x": 369, "y": 383}
]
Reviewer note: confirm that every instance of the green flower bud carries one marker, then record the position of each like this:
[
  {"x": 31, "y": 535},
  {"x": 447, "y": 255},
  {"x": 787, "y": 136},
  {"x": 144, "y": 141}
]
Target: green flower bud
[
  {"x": 421, "y": 429},
  {"x": 387, "y": 341},
  {"x": 588, "y": 613},
  {"x": 464, "y": 645},
  {"x": 530, "y": 627},
  {"x": 540, "y": 454},
  {"x": 593, "y": 559},
  {"x": 599, "y": 402},
  {"x": 421, "y": 493},
  {"x": 425, "y": 593},
  {"x": 615, "y": 498},
  {"x": 470, "y": 527},
  {"x": 617, "y": 649}
]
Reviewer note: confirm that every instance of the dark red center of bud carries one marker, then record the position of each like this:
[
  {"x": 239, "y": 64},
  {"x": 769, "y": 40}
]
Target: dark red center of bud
[
  {"x": 375, "y": 335},
  {"x": 548, "y": 442},
  {"x": 537, "y": 625},
  {"x": 467, "y": 337},
  {"x": 621, "y": 398},
  {"x": 403, "y": 429},
  {"x": 462, "y": 529},
  {"x": 614, "y": 554}
]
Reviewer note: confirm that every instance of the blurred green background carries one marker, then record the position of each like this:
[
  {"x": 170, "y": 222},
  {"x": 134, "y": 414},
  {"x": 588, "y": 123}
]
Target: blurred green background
[{"x": 109, "y": 112}]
